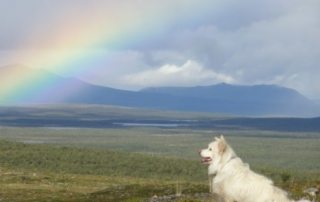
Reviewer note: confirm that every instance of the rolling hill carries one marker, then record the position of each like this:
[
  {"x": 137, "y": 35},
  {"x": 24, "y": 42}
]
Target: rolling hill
[{"x": 258, "y": 100}]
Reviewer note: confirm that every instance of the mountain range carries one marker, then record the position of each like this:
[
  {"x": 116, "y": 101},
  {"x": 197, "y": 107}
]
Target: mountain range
[{"x": 256, "y": 100}]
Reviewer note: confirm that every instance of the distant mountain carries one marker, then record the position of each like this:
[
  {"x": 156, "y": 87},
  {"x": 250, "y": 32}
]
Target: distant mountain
[
  {"x": 50, "y": 88},
  {"x": 246, "y": 100},
  {"x": 259, "y": 100}
]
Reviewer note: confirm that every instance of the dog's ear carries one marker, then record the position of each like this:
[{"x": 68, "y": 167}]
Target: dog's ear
[
  {"x": 222, "y": 145},
  {"x": 216, "y": 139}
]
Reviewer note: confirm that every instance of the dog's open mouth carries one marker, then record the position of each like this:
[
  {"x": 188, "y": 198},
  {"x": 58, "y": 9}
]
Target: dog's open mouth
[{"x": 206, "y": 160}]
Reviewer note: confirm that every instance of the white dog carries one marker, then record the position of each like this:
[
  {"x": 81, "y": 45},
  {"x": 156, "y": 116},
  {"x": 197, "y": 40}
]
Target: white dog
[{"x": 233, "y": 181}]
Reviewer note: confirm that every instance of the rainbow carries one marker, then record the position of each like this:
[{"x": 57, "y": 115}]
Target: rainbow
[{"x": 77, "y": 44}]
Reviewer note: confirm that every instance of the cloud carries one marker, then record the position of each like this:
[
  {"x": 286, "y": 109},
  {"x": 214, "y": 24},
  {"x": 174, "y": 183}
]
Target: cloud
[
  {"x": 259, "y": 47},
  {"x": 252, "y": 42},
  {"x": 188, "y": 74}
]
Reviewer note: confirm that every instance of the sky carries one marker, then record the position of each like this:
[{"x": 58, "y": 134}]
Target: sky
[{"x": 132, "y": 44}]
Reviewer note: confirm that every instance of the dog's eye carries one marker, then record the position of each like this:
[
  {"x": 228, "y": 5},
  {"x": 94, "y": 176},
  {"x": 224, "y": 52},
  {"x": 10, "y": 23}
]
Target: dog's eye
[{"x": 210, "y": 149}]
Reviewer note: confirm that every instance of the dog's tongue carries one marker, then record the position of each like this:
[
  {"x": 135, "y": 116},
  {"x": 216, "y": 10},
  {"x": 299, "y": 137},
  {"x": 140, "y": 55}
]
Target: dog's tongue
[{"x": 205, "y": 160}]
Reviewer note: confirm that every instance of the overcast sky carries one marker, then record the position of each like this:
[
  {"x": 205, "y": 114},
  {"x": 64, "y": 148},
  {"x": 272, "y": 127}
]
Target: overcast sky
[{"x": 133, "y": 44}]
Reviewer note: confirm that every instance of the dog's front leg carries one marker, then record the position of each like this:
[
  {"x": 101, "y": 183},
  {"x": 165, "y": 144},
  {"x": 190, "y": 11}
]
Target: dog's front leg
[
  {"x": 210, "y": 183},
  {"x": 219, "y": 193}
]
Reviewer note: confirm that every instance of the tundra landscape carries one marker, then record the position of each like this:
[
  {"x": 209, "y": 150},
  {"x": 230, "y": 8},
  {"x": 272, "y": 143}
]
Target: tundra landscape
[{"x": 140, "y": 156}]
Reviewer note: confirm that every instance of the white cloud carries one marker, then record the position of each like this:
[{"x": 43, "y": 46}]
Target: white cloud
[{"x": 188, "y": 74}]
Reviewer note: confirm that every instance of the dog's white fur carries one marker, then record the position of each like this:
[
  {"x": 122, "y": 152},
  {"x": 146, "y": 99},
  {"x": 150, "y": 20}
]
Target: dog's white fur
[{"x": 233, "y": 180}]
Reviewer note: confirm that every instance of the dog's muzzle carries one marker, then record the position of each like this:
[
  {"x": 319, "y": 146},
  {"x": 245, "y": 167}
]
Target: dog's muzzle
[{"x": 204, "y": 159}]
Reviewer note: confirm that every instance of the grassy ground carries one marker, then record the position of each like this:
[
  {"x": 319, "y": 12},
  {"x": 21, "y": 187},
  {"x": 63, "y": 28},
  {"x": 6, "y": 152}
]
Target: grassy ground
[
  {"x": 51, "y": 173},
  {"x": 49, "y": 186},
  {"x": 298, "y": 152},
  {"x": 133, "y": 164},
  {"x": 59, "y": 173}
]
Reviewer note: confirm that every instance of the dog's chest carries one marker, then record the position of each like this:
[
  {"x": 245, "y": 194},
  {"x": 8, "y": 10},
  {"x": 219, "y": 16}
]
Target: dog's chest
[{"x": 229, "y": 188}]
